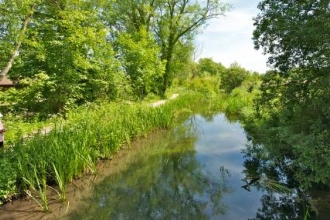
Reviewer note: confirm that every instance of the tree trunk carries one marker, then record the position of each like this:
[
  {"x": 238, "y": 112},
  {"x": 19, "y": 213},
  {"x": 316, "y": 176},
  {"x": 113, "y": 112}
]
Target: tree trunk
[{"x": 18, "y": 45}]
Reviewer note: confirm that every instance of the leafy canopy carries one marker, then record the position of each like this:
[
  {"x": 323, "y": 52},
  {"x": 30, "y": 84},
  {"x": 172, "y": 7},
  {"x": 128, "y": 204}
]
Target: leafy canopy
[
  {"x": 294, "y": 103},
  {"x": 295, "y": 33}
]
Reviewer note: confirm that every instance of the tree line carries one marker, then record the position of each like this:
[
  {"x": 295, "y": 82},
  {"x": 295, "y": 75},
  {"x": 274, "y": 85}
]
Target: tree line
[
  {"x": 292, "y": 117},
  {"x": 68, "y": 52}
]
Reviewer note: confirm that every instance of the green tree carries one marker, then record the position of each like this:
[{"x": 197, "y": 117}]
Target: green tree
[
  {"x": 140, "y": 61},
  {"x": 181, "y": 21},
  {"x": 67, "y": 42},
  {"x": 207, "y": 65},
  {"x": 294, "y": 102},
  {"x": 294, "y": 33},
  {"x": 174, "y": 23},
  {"x": 183, "y": 66},
  {"x": 233, "y": 77},
  {"x": 15, "y": 16}
]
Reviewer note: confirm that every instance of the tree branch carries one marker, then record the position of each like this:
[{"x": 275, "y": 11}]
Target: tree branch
[{"x": 18, "y": 45}]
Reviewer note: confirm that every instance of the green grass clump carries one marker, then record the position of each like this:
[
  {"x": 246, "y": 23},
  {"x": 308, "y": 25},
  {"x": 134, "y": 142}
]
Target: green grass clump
[{"x": 8, "y": 176}]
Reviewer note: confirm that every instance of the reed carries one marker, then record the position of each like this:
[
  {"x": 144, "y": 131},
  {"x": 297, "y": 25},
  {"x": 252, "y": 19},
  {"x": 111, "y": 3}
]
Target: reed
[
  {"x": 60, "y": 181},
  {"x": 38, "y": 184},
  {"x": 90, "y": 133}
]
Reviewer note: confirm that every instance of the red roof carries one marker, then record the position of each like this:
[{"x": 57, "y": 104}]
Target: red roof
[{"x": 4, "y": 81}]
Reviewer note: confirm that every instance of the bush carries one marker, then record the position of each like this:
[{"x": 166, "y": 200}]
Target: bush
[
  {"x": 207, "y": 85},
  {"x": 7, "y": 179}
]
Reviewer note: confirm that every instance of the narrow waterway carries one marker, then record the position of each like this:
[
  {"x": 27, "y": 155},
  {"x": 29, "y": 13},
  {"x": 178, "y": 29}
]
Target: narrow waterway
[
  {"x": 196, "y": 170},
  {"x": 191, "y": 172}
]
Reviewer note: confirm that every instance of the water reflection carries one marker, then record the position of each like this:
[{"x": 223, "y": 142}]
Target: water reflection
[
  {"x": 282, "y": 197},
  {"x": 167, "y": 181},
  {"x": 204, "y": 169}
]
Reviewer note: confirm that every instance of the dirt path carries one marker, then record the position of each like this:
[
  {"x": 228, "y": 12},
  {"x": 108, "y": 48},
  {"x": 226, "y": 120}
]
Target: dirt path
[
  {"x": 48, "y": 129},
  {"x": 160, "y": 102}
]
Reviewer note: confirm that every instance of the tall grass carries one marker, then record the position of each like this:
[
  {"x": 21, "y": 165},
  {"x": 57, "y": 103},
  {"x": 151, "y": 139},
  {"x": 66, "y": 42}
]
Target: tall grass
[
  {"x": 238, "y": 104},
  {"x": 89, "y": 134},
  {"x": 38, "y": 184}
]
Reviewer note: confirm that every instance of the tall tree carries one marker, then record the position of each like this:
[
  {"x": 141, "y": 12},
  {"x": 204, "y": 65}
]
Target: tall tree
[
  {"x": 180, "y": 20},
  {"x": 173, "y": 23},
  {"x": 14, "y": 19},
  {"x": 65, "y": 45},
  {"x": 139, "y": 56},
  {"x": 294, "y": 101},
  {"x": 294, "y": 33}
]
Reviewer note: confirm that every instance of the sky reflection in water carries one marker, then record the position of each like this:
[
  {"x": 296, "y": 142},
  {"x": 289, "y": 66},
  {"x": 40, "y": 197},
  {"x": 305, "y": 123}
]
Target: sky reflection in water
[{"x": 220, "y": 144}]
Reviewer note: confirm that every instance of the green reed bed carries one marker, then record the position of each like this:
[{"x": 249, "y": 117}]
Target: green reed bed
[
  {"x": 50, "y": 162},
  {"x": 237, "y": 104}
]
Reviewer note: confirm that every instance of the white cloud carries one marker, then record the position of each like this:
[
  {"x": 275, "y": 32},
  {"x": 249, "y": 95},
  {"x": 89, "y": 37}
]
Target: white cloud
[{"x": 228, "y": 39}]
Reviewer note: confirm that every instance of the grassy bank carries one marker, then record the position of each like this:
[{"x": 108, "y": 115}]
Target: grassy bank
[{"x": 96, "y": 131}]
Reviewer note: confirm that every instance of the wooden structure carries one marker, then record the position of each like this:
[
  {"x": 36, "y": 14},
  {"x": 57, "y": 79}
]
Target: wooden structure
[{"x": 5, "y": 83}]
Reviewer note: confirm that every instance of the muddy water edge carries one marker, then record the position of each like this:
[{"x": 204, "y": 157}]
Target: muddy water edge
[{"x": 27, "y": 208}]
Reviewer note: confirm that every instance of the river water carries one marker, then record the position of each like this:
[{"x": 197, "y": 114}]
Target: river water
[
  {"x": 196, "y": 170},
  {"x": 191, "y": 172}
]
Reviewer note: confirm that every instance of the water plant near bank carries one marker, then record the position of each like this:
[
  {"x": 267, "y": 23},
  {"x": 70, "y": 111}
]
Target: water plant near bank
[{"x": 72, "y": 148}]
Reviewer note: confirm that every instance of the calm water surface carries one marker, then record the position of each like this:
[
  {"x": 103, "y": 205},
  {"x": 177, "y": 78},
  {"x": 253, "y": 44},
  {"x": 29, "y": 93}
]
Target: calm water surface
[{"x": 193, "y": 171}]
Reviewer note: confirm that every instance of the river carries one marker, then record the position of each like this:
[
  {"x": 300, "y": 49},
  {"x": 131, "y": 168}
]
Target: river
[{"x": 196, "y": 170}]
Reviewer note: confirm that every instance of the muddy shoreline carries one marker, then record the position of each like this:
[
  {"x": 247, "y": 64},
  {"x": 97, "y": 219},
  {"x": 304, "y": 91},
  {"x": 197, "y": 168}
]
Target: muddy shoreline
[{"x": 27, "y": 209}]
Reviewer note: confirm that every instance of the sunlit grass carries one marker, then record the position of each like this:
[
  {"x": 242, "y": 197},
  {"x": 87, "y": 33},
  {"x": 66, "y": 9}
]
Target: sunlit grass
[{"x": 37, "y": 183}]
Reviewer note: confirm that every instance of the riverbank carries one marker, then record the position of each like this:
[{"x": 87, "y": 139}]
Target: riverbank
[
  {"x": 47, "y": 129},
  {"x": 78, "y": 189},
  {"x": 145, "y": 160},
  {"x": 76, "y": 148}
]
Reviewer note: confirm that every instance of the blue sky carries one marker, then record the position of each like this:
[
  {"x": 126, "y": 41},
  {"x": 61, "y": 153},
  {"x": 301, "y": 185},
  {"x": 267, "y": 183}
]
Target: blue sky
[{"x": 228, "y": 39}]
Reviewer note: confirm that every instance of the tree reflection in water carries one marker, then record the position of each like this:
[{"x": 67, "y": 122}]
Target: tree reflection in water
[
  {"x": 282, "y": 197},
  {"x": 167, "y": 182}
]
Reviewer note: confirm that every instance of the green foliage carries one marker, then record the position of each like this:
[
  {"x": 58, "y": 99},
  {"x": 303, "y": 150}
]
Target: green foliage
[
  {"x": 174, "y": 25},
  {"x": 140, "y": 61},
  {"x": 151, "y": 97},
  {"x": 181, "y": 21},
  {"x": 15, "y": 16},
  {"x": 298, "y": 118},
  {"x": 239, "y": 102},
  {"x": 64, "y": 59},
  {"x": 73, "y": 146},
  {"x": 294, "y": 33},
  {"x": 8, "y": 177},
  {"x": 233, "y": 77},
  {"x": 207, "y": 65},
  {"x": 24, "y": 125},
  {"x": 68, "y": 53},
  {"x": 30, "y": 97},
  {"x": 208, "y": 85},
  {"x": 182, "y": 66},
  {"x": 293, "y": 105}
]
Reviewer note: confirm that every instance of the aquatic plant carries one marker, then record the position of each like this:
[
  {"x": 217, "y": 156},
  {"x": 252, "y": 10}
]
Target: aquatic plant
[{"x": 37, "y": 182}]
